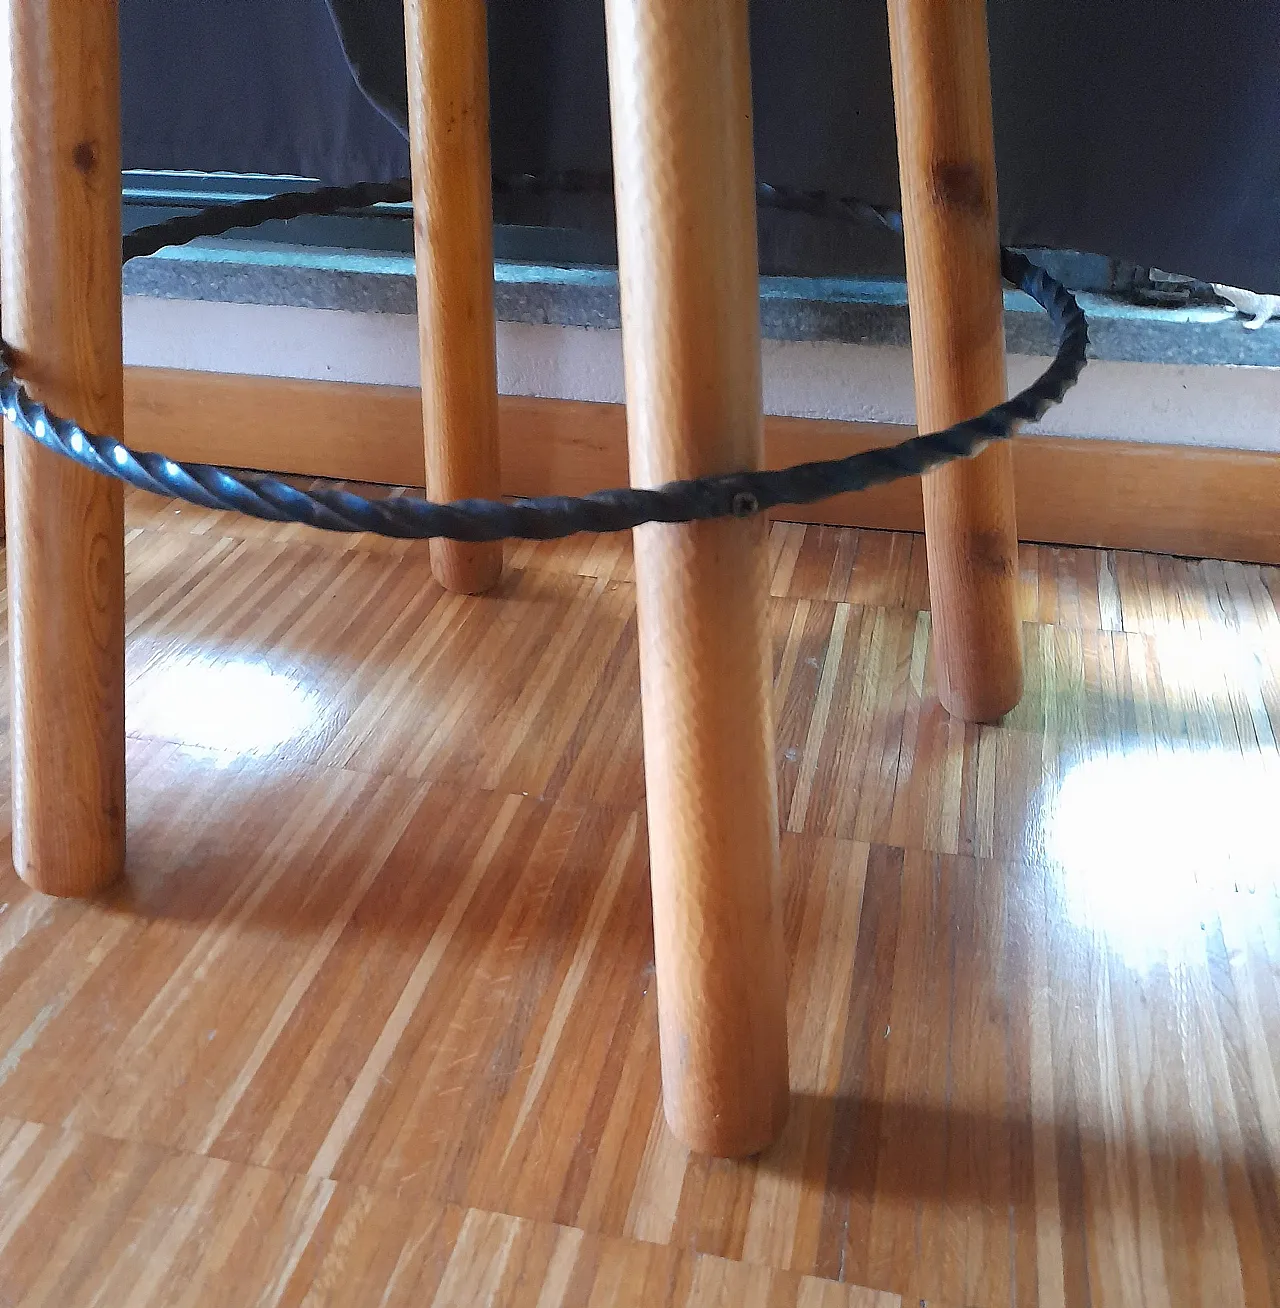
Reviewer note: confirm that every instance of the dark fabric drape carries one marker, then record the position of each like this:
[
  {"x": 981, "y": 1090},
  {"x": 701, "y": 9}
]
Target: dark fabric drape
[
  {"x": 1142, "y": 131},
  {"x": 247, "y": 86}
]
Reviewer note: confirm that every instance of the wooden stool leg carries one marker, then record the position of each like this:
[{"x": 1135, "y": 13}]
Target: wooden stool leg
[
  {"x": 61, "y": 284},
  {"x": 453, "y": 229},
  {"x": 942, "y": 92},
  {"x": 681, "y": 101}
]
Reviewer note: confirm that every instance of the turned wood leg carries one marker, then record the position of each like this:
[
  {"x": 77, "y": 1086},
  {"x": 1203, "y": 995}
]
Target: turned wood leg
[
  {"x": 681, "y": 102},
  {"x": 453, "y": 234},
  {"x": 61, "y": 288},
  {"x": 942, "y": 93}
]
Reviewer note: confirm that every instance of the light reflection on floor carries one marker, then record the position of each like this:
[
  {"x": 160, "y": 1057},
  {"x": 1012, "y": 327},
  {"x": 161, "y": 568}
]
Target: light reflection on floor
[
  {"x": 1209, "y": 661},
  {"x": 1154, "y": 845},
  {"x": 237, "y": 706}
]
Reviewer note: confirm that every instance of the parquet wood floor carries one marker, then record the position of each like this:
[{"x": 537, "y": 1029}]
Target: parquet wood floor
[{"x": 371, "y": 1020}]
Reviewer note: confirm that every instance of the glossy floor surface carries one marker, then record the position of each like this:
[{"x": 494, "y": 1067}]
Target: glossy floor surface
[{"x": 372, "y": 1019}]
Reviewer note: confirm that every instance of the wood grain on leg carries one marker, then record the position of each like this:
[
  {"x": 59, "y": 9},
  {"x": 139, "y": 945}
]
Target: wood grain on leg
[
  {"x": 61, "y": 279},
  {"x": 453, "y": 235},
  {"x": 942, "y": 93},
  {"x": 681, "y": 100}
]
